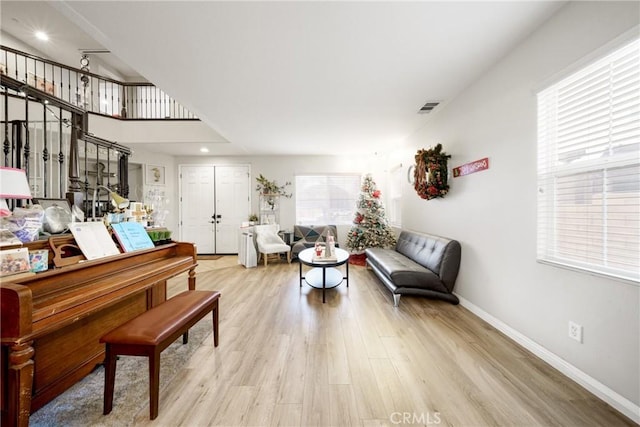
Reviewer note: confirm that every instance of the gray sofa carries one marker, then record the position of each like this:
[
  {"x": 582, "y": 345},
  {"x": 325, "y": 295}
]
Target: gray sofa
[
  {"x": 305, "y": 236},
  {"x": 420, "y": 264}
]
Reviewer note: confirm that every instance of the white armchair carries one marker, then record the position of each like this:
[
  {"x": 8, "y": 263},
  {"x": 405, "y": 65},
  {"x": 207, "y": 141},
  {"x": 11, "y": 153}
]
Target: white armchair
[{"x": 269, "y": 243}]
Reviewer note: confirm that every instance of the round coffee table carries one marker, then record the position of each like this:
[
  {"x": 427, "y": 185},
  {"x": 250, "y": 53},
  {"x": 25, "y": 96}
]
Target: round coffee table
[{"x": 324, "y": 274}]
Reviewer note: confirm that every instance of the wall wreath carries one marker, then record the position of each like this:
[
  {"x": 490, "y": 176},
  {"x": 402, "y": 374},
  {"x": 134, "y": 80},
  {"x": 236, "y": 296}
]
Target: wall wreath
[{"x": 430, "y": 173}]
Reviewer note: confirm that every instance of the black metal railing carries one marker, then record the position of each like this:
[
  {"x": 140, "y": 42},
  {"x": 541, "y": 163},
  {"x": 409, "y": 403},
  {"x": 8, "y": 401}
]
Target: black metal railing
[
  {"x": 91, "y": 92},
  {"x": 49, "y": 139}
]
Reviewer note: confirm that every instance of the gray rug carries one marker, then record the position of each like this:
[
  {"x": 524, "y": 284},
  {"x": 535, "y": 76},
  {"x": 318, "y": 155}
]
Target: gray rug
[{"x": 81, "y": 405}]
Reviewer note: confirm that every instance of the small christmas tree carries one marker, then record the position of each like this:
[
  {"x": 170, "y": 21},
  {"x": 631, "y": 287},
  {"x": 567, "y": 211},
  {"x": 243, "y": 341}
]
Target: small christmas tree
[{"x": 370, "y": 228}]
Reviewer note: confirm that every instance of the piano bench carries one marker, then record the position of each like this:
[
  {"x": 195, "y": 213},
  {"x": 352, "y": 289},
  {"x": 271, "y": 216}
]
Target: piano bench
[{"x": 153, "y": 331}]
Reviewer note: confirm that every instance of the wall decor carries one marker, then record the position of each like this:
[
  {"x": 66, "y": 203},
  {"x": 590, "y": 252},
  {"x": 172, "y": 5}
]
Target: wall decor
[
  {"x": 410, "y": 174},
  {"x": 469, "y": 168},
  {"x": 154, "y": 175},
  {"x": 430, "y": 173}
]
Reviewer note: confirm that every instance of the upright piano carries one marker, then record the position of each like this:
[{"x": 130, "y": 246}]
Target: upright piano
[{"x": 51, "y": 322}]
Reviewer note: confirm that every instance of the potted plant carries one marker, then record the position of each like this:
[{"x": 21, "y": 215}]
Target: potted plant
[{"x": 265, "y": 186}]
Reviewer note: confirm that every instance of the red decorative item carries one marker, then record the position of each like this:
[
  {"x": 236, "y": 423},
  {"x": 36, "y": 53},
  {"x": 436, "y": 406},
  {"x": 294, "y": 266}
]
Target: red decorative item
[
  {"x": 469, "y": 168},
  {"x": 376, "y": 194},
  {"x": 358, "y": 259}
]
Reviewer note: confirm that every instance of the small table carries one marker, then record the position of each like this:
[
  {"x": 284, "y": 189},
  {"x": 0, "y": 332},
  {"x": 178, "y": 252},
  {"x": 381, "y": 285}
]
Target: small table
[
  {"x": 324, "y": 275},
  {"x": 286, "y": 236}
]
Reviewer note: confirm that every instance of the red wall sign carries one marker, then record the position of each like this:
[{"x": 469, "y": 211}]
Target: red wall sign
[{"x": 466, "y": 169}]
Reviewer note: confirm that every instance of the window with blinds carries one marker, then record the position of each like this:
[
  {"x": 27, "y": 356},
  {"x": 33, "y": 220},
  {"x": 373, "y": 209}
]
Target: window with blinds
[
  {"x": 326, "y": 199},
  {"x": 589, "y": 168},
  {"x": 395, "y": 196}
]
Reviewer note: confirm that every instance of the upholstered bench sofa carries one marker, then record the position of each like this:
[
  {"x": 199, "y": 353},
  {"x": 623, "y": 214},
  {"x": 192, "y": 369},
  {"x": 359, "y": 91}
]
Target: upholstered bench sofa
[
  {"x": 420, "y": 264},
  {"x": 305, "y": 236}
]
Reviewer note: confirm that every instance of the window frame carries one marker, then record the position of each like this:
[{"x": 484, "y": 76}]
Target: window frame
[
  {"x": 550, "y": 174},
  {"x": 348, "y": 218}
]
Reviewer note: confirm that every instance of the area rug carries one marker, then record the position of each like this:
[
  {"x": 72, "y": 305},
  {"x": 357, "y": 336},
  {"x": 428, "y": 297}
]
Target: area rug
[
  {"x": 358, "y": 259},
  {"x": 209, "y": 257},
  {"x": 81, "y": 405}
]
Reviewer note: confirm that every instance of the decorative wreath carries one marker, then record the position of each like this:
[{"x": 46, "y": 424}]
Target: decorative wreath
[{"x": 430, "y": 173}]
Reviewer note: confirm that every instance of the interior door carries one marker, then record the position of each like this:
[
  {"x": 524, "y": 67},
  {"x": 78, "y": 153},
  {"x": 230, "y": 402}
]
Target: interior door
[
  {"x": 197, "y": 207},
  {"x": 232, "y": 205}
]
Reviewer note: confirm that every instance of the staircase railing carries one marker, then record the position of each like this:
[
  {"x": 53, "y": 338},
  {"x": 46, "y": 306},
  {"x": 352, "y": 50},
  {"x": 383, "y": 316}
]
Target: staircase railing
[
  {"x": 48, "y": 138},
  {"x": 91, "y": 92}
]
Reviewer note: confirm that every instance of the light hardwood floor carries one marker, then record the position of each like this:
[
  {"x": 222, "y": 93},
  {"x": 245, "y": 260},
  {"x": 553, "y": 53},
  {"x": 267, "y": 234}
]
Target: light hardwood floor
[{"x": 287, "y": 359}]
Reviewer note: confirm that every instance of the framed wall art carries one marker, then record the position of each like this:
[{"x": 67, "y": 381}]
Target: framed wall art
[{"x": 154, "y": 175}]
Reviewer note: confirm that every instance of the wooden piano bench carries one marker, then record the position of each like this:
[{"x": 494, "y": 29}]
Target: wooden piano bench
[{"x": 153, "y": 331}]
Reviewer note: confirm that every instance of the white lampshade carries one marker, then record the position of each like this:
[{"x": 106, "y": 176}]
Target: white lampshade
[{"x": 13, "y": 185}]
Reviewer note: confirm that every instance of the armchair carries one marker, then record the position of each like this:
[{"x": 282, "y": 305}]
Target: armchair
[{"x": 269, "y": 243}]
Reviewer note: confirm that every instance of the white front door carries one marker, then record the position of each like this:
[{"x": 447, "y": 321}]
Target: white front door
[
  {"x": 214, "y": 203},
  {"x": 197, "y": 207},
  {"x": 232, "y": 205}
]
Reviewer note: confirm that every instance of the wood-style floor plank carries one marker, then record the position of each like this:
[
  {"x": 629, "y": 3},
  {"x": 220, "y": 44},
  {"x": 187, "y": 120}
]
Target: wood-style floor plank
[{"x": 287, "y": 359}]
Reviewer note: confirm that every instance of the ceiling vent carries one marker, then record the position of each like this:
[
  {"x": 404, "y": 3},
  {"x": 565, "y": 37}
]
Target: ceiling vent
[
  {"x": 426, "y": 108},
  {"x": 94, "y": 51}
]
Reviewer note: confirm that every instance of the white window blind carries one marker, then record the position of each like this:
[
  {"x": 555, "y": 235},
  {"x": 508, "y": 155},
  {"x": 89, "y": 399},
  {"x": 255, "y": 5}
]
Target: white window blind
[
  {"x": 395, "y": 196},
  {"x": 326, "y": 199},
  {"x": 589, "y": 167}
]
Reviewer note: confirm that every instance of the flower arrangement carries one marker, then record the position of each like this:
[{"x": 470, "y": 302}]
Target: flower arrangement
[
  {"x": 430, "y": 173},
  {"x": 265, "y": 186}
]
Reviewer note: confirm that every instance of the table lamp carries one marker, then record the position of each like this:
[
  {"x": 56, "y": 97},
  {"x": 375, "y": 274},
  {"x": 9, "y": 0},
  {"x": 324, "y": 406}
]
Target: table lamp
[
  {"x": 13, "y": 185},
  {"x": 117, "y": 200}
]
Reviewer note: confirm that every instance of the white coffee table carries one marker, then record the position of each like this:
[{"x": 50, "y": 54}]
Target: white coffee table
[{"x": 324, "y": 274}]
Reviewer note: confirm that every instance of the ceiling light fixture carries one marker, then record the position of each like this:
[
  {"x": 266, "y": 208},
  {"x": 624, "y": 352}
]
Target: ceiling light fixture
[
  {"x": 41, "y": 35},
  {"x": 204, "y": 150}
]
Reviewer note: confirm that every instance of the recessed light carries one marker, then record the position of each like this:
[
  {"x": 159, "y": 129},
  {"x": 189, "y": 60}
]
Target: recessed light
[
  {"x": 41, "y": 35},
  {"x": 204, "y": 150}
]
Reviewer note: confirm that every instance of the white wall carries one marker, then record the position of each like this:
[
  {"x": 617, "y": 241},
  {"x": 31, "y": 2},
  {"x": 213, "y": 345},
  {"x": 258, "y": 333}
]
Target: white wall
[
  {"x": 7, "y": 39},
  {"x": 143, "y": 157},
  {"x": 493, "y": 213},
  {"x": 151, "y": 132},
  {"x": 284, "y": 169}
]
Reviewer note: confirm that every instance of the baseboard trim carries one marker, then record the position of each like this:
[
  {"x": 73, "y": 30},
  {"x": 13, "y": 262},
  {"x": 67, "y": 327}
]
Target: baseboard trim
[{"x": 620, "y": 403}]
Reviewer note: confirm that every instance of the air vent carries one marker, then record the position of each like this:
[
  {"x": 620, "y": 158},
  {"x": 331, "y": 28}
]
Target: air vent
[
  {"x": 93, "y": 51},
  {"x": 426, "y": 108}
]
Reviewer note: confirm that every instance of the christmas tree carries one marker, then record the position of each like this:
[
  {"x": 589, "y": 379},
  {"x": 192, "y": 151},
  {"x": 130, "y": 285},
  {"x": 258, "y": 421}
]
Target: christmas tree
[{"x": 370, "y": 228}]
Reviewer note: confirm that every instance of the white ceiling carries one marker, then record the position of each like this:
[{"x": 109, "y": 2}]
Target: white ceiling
[{"x": 297, "y": 77}]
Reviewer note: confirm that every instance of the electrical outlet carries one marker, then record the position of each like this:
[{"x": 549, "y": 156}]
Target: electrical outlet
[{"x": 575, "y": 331}]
